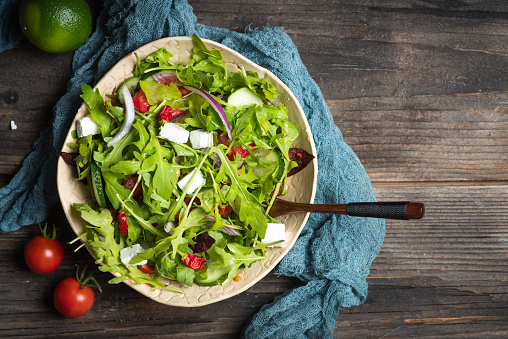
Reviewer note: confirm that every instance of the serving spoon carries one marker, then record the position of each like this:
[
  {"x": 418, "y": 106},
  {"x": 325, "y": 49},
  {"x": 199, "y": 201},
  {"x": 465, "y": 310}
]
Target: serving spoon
[{"x": 402, "y": 210}]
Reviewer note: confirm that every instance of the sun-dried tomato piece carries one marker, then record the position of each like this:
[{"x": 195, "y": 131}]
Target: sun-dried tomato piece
[
  {"x": 203, "y": 242},
  {"x": 122, "y": 223},
  {"x": 130, "y": 183},
  {"x": 69, "y": 157},
  {"x": 225, "y": 210},
  {"x": 301, "y": 157},
  {"x": 195, "y": 262}
]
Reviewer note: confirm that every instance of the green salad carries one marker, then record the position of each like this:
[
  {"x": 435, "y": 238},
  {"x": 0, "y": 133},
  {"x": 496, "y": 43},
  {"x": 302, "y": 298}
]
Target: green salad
[{"x": 183, "y": 162}]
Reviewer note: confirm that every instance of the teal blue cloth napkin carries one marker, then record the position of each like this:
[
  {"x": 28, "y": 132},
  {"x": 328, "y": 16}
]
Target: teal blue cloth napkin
[{"x": 333, "y": 254}]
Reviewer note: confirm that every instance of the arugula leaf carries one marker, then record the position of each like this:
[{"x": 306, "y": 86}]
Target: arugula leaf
[
  {"x": 209, "y": 61},
  {"x": 116, "y": 153},
  {"x": 250, "y": 79},
  {"x": 95, "y": 104},
  {"x": 159, "y": 59},
  {"x": 157, "y": 93},
  {"x": 113, "y": 188},
  {"x": 134, "y": 274},
  {"x": 185, "y": 274},
  {"x": 290, "y": 133},
  {"x": 131, "y": 207},
  {"x": 126, "y": 167},
  {"x": 144, "y": 138},
  {"x": 166, "y": 176},
  {"x": 107, "y": 249},
  {"x": 195, "y": 218},
  {"x": 247, "y": 206}
]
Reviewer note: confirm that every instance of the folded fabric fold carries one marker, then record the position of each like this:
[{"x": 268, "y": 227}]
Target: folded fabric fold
[
  {"x": 308, "y": 311},
  {"x": 333, "y": 253}
]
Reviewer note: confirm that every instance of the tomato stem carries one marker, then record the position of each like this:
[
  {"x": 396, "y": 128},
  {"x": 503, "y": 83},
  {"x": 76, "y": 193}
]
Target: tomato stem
[
  {"x": 86, "y": 281},
  {"x": 44, "y": 232}
]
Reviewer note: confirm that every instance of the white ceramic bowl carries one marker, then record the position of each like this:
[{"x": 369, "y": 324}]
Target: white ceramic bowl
[{"x": 302, "y": 186}]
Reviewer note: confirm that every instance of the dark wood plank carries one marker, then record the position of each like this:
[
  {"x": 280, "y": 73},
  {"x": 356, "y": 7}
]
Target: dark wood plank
[
  {"x": 427, "y": 138},
  {"x": 27, "y": 98}
]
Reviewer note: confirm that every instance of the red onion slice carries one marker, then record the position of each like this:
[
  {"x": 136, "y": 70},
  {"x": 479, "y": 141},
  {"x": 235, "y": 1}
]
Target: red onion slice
[
  {"x": 130, "y": 115},
  {"x": 218, "y": 108},
  {"x": 229, "y": 230},
  {"x": 157, "y": 77}
]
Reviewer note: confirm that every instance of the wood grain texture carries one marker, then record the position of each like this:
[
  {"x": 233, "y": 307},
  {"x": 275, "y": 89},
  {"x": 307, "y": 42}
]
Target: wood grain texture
[
  {"x": 443, "y": 276},
  {"x": 419, "y": 90}
]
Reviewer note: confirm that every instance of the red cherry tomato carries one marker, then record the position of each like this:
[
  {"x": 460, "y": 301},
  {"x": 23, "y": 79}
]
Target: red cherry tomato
[
  {"x": 168, "y": 113},
  {"x": 140, "y": 102},
  {"x": 43, "y": 254},
  {"x": 71, "y": 299},
  {"x": 146, "y": 268},
  {"x": 237, "y": 150}
]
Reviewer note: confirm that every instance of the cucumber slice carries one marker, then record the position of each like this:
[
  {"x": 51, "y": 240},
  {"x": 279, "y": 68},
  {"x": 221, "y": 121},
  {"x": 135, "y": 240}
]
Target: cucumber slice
[
  {"x": 215, "y": 277},
  {"x": 281, "y": 168},
  {"x": 272, "y": 161},
  {"x": 97, "y": 188},
  {"x": 244, "y": 97},
  {"x": 131, "y": 83}
]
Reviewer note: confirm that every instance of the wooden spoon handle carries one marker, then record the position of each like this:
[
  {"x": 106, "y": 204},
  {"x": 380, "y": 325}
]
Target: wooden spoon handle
[{"x": 387, "y": 210}]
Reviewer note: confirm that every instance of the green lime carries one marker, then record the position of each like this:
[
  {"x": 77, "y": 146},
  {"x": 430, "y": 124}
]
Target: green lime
[{"x": 56, "y": 26}]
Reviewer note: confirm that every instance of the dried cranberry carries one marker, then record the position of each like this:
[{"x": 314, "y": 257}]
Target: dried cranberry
[
  {"x": 69, "y": 157},
  {"x": 131, "y": 183},
  {"x": 203, "y": 242},
  {"x": 301, "y": 157},
  {"x": 222, "y": 139}
]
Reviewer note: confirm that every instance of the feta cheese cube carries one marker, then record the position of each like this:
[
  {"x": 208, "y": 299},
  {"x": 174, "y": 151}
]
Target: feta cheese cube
[
  {"x": 127, "y": 253},
  {"x": 13, "y": 125},
  {"x": 275, "y": 232},
  {"x": 86, "y": 126},
  {"x": 200, "y": 138},
  {"x": 198, "y": 180},
  {"x": 175, "y": 133},
  {"x": 168, "y": 227}
]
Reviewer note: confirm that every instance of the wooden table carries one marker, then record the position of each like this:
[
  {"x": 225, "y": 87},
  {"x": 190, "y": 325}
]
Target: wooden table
[{"x": 419, "y": 91}]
